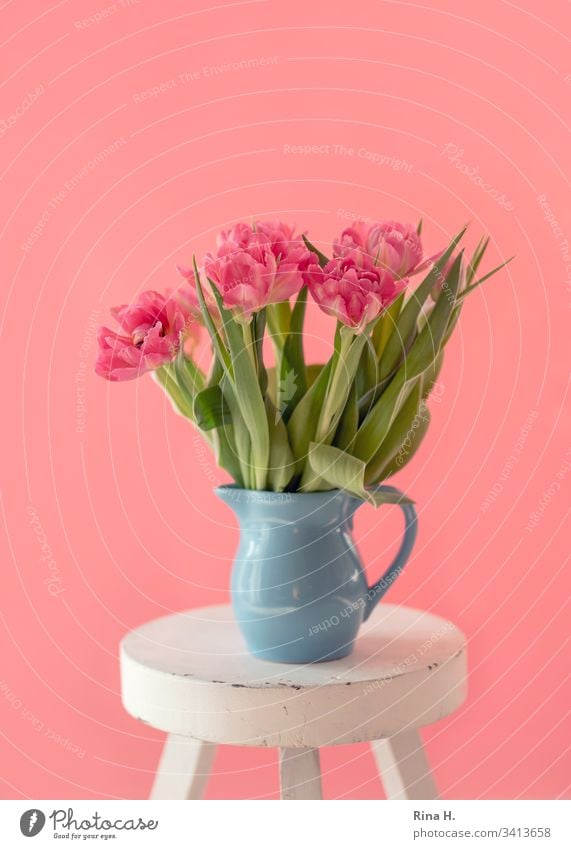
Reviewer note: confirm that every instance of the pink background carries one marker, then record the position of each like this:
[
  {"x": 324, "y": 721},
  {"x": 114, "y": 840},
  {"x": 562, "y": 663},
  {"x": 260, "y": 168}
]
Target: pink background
[{"x": 119, "y": 486}]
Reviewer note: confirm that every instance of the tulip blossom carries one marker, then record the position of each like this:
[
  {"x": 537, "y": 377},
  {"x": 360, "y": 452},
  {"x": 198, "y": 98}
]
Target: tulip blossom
[
  {"x": 268, "y": 432},
  {"x": 151, "y": 332},
  {"x": 353, "y": 289},
  {"x": 186, "y": 299},
  {"x": 395, "y": 247},
  {"x": 256, "y": 266},
  {"x": 279, "y": 237},
  {"x": 286, "y": 246}
]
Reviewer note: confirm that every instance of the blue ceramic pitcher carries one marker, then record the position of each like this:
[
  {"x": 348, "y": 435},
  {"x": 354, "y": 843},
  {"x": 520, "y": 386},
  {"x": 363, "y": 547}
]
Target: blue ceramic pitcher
[{"x": 298, "y": 587}]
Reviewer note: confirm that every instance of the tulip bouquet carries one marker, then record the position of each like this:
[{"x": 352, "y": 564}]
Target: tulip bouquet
[{"x": 348, "y": 423}]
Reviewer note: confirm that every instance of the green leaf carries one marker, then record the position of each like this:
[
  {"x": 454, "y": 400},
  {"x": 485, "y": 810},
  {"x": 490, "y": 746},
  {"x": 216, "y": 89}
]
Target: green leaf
[
  {"x": 223, "y": 438},
  {"x": 378, "y": 422},
  {"x": 424, "y": 351},
  {"x": 381, "y": 333},
  {"x": 404, "y": 457},
  {"x": 227, "y": 454},
  {"x": 259, "y": 327},
  {"x": 453, "y": 321},
  {"x": 406, "y": 423},
  {"x": 479, "y": 282},
  {"x": 345, "y": 362},
  {"x": 303, "y": 420},
  {"x": 428, "y": 341},
  {"x": 348, "y": 349},
  {"x": 189, "y": 377},
  {"x": 210, "y": 409},
  {"x": 342, "y": 471},
  {"x": 217, "y": 342},
  {"x": 419, "y": 227},
  {"x": 216, "y": 372},
  {"x": 282, "y": 463},
  {"x": 406, "y": 324},
  {"x": 272, "y": 389},
  {"x": 349, "y": 421},
  {"x": 313, "y": 370},
  {"x": 238, "y": 437},
  {"x": 477, "y": 257},
  {"x": 322, "y": 259},
  {"x": 247, "y": 389},
  {"x": 367, "y": 373},
  {"x": 386, "y": 325},
  {"x": 430, "y": 376},
  {"x": 292, "y": 364},
  {"x": 279, "y": 317},
  {"x": 370, "y": 398},
  {"x": 166, "y": 379}
]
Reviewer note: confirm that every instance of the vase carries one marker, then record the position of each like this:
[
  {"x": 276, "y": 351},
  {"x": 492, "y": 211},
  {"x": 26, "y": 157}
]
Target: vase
[{"x": 298, "y": 585}]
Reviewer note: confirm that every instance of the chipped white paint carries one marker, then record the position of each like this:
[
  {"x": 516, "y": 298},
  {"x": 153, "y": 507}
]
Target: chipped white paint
[{"x": 190, "y": 675}]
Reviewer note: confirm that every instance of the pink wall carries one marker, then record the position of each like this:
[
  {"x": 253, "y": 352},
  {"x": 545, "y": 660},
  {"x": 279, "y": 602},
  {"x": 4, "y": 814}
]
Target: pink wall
[{"x": 120, "y": 489}]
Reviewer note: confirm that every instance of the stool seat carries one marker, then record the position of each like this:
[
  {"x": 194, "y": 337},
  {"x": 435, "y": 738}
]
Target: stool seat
[{"x": 190, "y": 674}]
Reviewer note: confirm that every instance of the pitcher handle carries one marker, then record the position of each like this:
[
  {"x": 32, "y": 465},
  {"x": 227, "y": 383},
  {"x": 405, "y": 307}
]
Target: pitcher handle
[{"x": 377, "y": 590}]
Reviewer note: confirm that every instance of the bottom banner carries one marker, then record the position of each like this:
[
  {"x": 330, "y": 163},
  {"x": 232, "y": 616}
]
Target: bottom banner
[{"x": 259, "y": 824}]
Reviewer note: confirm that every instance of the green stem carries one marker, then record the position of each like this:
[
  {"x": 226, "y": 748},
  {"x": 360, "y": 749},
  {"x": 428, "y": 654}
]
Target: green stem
[
  {"x": 279, "y": 316},
  {"x": 249, "y": 345},
  {"x": 196, "y": 374},
  {"x": 331, "y": 400},
  {"x": 165, "y": 377},
  {"x": 257, "y": 472}
]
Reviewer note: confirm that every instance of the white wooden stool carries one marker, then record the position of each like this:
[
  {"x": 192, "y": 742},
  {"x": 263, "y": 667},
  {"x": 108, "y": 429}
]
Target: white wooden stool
[{"x": 190, "y": 675}]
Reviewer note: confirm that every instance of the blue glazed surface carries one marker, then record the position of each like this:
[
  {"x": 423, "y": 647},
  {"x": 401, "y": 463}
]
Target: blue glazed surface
[{"x": 298, "y": 587}]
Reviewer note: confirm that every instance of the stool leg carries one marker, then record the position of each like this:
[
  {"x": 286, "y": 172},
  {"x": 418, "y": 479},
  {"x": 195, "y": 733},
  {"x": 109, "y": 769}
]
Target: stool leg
[
  {"x": 404, "y": 768},
  {"x": 183, "y": 769},
  {"x": 300, "y": 774}
]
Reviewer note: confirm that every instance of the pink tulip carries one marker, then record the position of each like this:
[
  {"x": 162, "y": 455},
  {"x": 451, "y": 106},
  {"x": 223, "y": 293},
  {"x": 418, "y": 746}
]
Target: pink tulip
[
  {"x": 395, "y": 247},
  {"x": 285, "y": 245},
  {"x": 152, "y": 328},
  {"x": 279, "y": 237},
  {"x": 187, "y": 301},
  {"x": 256, "y": 266},
  {"x": 353, "y": 289}
]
